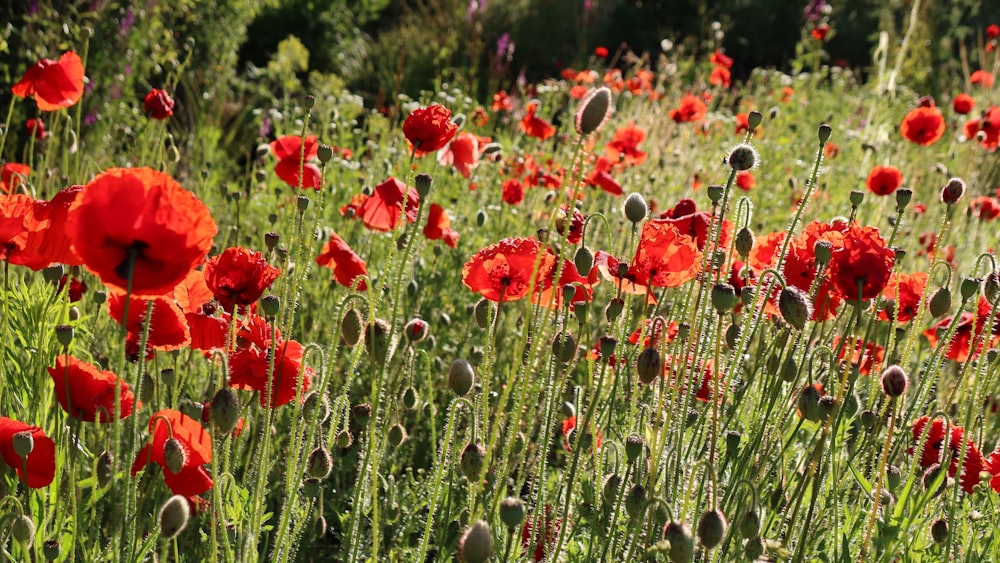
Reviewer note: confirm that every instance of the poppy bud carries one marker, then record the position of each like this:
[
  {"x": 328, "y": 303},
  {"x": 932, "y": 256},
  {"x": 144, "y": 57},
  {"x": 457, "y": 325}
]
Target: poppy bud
[
  {"x": 377, "y": 339},
  {"x": 857, "y": 197},
  {"x": 174, "y": 455},
  {"x": 492, "y": 148},
  {"x": 953, "y": 191},
  {"x": 344, "y": 439},
  {"x": 476, "y": 544},
  {"x": 733, "y": 439},
  {"x": 795, "y": 306},
  {"x": 311, "y": 487},
  {"x": 749, "y": 524},
  {"x": 634, "y": 446},
  {"x": 53, "y": 274},
  {"x": 313, "y": 401},
  {"x": 940, "y": 302},
  {"x": 225, "y": 410},
  {"x": 744, "y": 241},
  {"x": 423, "y": 184},
  {"x": 482, "y": 313},
  {"x": 319, "y": 527},
  {"x": 635, "y": 208},
  {"x": 939, "y": 531},
  {"x": 568, "y": 409},
  {"x": 691, "y": 418},
  {"x": 824, "y": 133},
  {"x": 481, "y": 218},
  {"x": 594, "y": 111},
  {"x": 580, "y": 309},
  {"x": 723, "y": 297},
  {"x": 23, "y": 443},
  {"x": 319, "y": 464},
  {"x": 350, "y": 327},
  {"x": 931, "y": 475},
  {"x": 564, "y": 347},
  {"x": 105, "y": 468},
  {"x": 789, "y": 369},
  {"x": 410, "y": 398},
  {"x": 826, "y": 404},
  {"x": 969, "y": 287},
  {"x": 733, "y": 334},
  {"x": 747, "y": 295},
  {"x": 753, "y": 119},
  {"x": 712, "y": 527},
  {"x": 808, "y": 403},
  {"x": 583, "y": 260},
  {"x": 903, "y": 197},
  {"x": 614, "y": 309},
  {"x": 649, "y": 365},
  {"x": 460, "y": 377},
  {"x": 636, "y": 501},
  {"x": 308, "y": 101},
  {"x": 473, "y": 461},
  {"x": 51, "y": 549},
  {"x": 174, "y": 516},
  {"x": 302, "y": 203},
  {"x": 743, "y": 157},
  {"x": 715, "y": 193},
  {"x": 64, "y": 334},
  {"x": 146, "y": 389},
  {"x": 415, "y": 330},
  {"x": 362, "y": 413},
  {"x": 512, "y": 512},
  {"x": 397, "y": 435},
  {"x": 681, "y": 542},
  {"x": 476, "y": 356},
  {"x": 893, "y": 476},
  {"x": 753, "y": 548},
  {"x": 612, "y": 486},
  {"x": 23, "y": 529},
  {"x": 324, "y": 153},
  {"x": 893, "y": 381},
  {"x": 991, "y": 287}
]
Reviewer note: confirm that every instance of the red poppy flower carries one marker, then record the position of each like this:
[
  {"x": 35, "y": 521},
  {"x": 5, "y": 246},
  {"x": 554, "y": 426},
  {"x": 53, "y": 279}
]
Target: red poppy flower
[
  {"x": 616, "y": 271},
  {"x": 347, "y": 266},
  {"x": 568, "y": 426},
  {"x": 77, "y": 288},
  {"x": 865, "y": 358},
  {"x": 696, "y": 224},
  {"x": 41, "y": 462},
  {"x": 985, "y": 207},
  {"x": 428, "y": 129},
  {"x": 142, "y": 217},
  {"x": 512, "y": 192},
  {"x": 550, "y": 294},
  {"x": 820, "y": 32},
  {"x": 238, "y": 277},
  {"x": 862, "y": 266},
  {"x": 651, "y": 331},
  {"x": 543, "y": 542},
  {"x": 602, "y": 178},
  {"x": 381, "y": 211},
  {"x": 11, "y": 176},
  {"x": 54, "y": 84},
  {"x": 17, "y": 223},
  {"x": 462, "y": 153},
  {"x": 992, "y": 31},
  {"x": 719, "y": 58},
  {"x": 960, "y": 347},
  {"x": 623, "y": 149},
  {"x": 294, "y": 161},
  {"x": 87, "y": 393},
  {"x": 931, "y": 453},
  {"x": 963, "y": 103},
  {"x": 196, "y": 442},
  {"x": 831, "y": 150},
  {"x": 664, "y": 257},
  {"x": 503, "y": 270},
  {"x": 350, "y": 210},
  {"x": 923, "y": 126},
  {"x": 502, "y": 102},
  {"x": 51, "y": 244},
  {"x": 535, "y": 126},
  {"x": 168, "y": 329},
  {"x": 911, "y": 289},
  {"x": 985, "y": 130},
  {"x": 720, "y": 76},
  {"x": 745, "y": 180},
  {"x": 438, "y": 226},
  {"x": 159, "y": 104},
  {"x": 250, "y": 362},
  {"x": 690, "y": 110},
  {"x": 35, "y": 127},
  {"x": 883, "y": 180},
  {"x": 192, "y": 293},
  {"x": 601, "y": 52},
  {"x": 981, "y": 78}
]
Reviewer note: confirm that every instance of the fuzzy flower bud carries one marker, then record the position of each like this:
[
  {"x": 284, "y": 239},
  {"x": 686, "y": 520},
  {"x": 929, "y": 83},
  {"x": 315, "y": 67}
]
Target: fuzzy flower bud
[
  {"x": 894, "y": 381},
  {"x": 594, "y": 111},
  {"x": 174, "y": 516}
]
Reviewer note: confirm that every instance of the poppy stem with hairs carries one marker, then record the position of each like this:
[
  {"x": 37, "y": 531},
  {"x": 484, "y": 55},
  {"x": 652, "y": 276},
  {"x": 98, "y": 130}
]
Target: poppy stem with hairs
[
  {"x": 116, "y": 423},
  {"x": 6, "y": 124}
]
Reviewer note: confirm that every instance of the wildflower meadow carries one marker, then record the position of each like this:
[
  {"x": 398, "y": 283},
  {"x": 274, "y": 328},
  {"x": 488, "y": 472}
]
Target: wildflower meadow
[{"x": 638, "y": 304}]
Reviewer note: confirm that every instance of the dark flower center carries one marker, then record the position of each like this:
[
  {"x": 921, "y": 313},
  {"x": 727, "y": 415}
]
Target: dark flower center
[{"x": 132, "y": 255}]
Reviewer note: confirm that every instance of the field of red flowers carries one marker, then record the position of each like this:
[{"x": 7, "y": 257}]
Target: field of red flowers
[{"x": 639, "y": 311}]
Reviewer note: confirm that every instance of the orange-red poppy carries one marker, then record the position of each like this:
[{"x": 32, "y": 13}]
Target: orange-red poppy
[
  {"x": 923, "y": 125},
  {"x": 139, "y": 223},
  {"x": 719, "y": 58},
  {"x": 931, "y": 453},
  {"x": 981, "y": 78},
  {"x": 195, "y": 441},
  {"x": 720, "y": 76},
  {"x": 602, "y": 178},
  {"x": 347, "y": 266},
  {"x": 985, "y": 207},
  {"x": 87, "y": 393},
  {"x": 745, "y": 180},
  {"x": 158, "y": 104},
  {"x": 664, "y": 256},
  {"x": 512, "y": 191},
  {"x": 168, "y": 328},
  {"x": 820, "y": 32},
  {"x": 986, "y": 130},
  {"x": 35, "y": 127},
  {"x": 17, "y": 223},
  {"x": 883, "y": 180},
  {"x": 502, "y": 102},
  {"x": 696, "y": 224},
  {"x": 54, "y": 84},
  {"x": 911, "y": 289},
  {"x": 623, "y": 149},
  {"x": 381, "y": 211},
  {"x": 690, "y": 110},
  {"x": 861, "y": 267},
  {"x": 503, "y": 270},
  {"x": 428, "y": 129},
  {"x": 238, "y": 277},
  {"x": 462, "y": 153},
  {"x": 250, "y": 364},
  {"x": 11, "y": 176},
  {"x": 438, "y": 226},
  {"x": 51, "y": 244},
  {"x": 40, "y": 463},
  {"x": 963, "y": 103},
  {"x": 865, "y": 357},
  {"x": 535, "y": 126},
  {"x": 959, "y": 348},
  {"x": 295, "y": 161}
]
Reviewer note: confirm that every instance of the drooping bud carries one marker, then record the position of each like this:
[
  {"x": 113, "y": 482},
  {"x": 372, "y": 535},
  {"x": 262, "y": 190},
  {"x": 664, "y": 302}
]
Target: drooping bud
[
  {"x": 350, "y": 327},
  {"x": 461, "y": 377},
  {"x": 564, "y": 347},
  {"x": 583, "y": 260},
  {"x": 23, "y": 529},
  {"x": 416, "y": 330},
  {"x": 953, "y": 191},
  {"x": 795, "y": 307},
  {"x": 808, "y": 403},
  {"x": 594, "y": 111},
  {"x": 612, "y": 487},
  {"x": 105, "y": 468},
  {"x": 969, "y": 287},
  {"x": 636, "y": 501},
  {"x": 723, "y": 297},
  {"x": 940, "y": 302},
  {"x": 733, "y": 335},
  {"x": 225, "y": 410},
  {"x": 174, "y": 516},
  {"x": 939, "y": 531},
  {"x": 824, "y": 133},
  {"x": 397, "y": 435},
  {"x": 344, "y": 439},
  {"x": 744, "y": 241},
  {"x": 681, "y": 542},
  {"x": 476, "y": 544},
  {"x": 512, "y": 512},
  {"x": 635, "y": 208},
  {"x": 634, "y": 446},
  {"x": 753, "y": 548},
  {"x": 377, "y": 339},
  {"x": 649, "y": 365},
  {"x": 614, "y": 309},
  {"x": 991, "y": 287},
  {"x": 749, "y": 524},
  {"x": 894, "y": 381},
  {"x": 472, "y": 461},
  {"x": 712, "y": 527},
  {"x": 174, "y": 455},
  {"x": 320, "y": 463}
]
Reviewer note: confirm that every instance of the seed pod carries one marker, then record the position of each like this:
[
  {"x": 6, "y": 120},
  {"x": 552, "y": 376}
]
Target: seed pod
[
  {"x": 361, "y": 413},
  {"x": 512, "y": 512},
  {"x": 472, "y": 461},
  {"x": 940, "y": 302},
  {"x": 634, "y": 446},
  {"x": 733, "y": 439},
  {"x": 824, "y": 133},
  {"x": 712, "y": 527},
  {"x": 681, "y": 542},
  {"x": 649, "y": 365},
  {"x": 461, "y": 377},
  {"x": 476, "y": 544},
  {"x": 350, "y": 327},
  {"x": 311, "y": 487},
  {"x": 320, "y": 463},
  {"x": 723, "y": 297},
  {"x": 23, "y": 444},
  {"x": 903, "y": 197},
  {"x": 174, "y": 516}
]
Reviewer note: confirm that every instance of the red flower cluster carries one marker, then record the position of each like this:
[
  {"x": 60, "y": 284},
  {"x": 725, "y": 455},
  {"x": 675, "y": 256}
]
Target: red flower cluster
[
  {"x": 690, "y": 110},
  {"x": 721, "y": 74},
  {"x": 861, "y": 266},
  {"x": 905, "y": 303},
  {"x": 960, "y": 347},
  {"x": 932, "y": 451},
  {"x": 503, "y": 271},
  {"x": 986, "y": 130},
  {"x": 249, "y": 364}
]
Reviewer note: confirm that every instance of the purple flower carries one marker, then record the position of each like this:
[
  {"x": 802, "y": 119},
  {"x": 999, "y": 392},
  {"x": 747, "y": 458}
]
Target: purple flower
[
  {"x": 814, "y": 10},
  {"x": 127, "y": 21}
]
